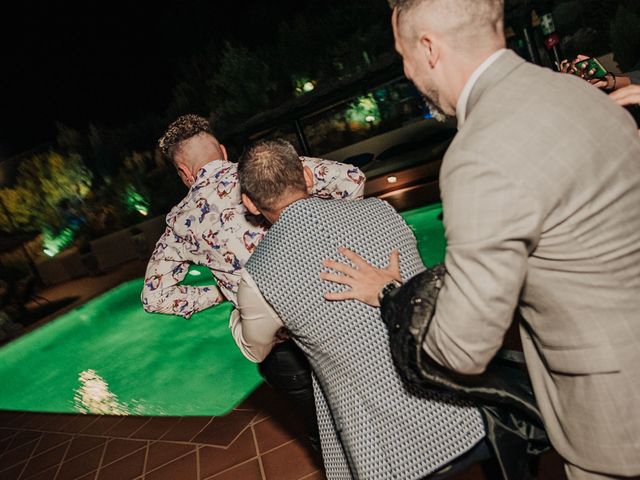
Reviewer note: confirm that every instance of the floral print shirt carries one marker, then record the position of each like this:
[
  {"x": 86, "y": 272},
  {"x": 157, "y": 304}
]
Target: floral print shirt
[{"x": 211, "y": 227}]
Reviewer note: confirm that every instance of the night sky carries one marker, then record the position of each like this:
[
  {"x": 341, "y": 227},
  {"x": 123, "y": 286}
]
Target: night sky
[{"x": 109, "y": 62}]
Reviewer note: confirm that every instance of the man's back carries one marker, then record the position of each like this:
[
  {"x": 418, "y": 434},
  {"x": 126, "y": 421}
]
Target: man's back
[
  {"x": 541, "y": 189},
  {"x": 387, "y": 431}
]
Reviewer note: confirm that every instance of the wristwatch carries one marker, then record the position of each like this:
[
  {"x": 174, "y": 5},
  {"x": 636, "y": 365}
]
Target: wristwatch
[{"x": 392, "y": 285}]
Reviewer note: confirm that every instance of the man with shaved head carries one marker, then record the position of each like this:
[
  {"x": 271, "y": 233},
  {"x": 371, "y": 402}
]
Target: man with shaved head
[{"x": 540, "y": 191}]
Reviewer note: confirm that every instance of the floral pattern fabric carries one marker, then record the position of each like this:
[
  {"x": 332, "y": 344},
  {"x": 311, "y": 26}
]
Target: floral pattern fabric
[{"x": 211, "y": 227}]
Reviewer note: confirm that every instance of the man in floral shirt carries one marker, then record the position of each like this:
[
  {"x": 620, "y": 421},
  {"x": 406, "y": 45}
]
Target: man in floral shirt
[{"x": 211, "y": 227}]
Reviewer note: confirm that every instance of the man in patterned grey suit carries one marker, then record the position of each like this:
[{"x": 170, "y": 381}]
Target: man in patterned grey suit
[
  {"x": 385, "y": 431},
  {"x": 540, "y": 191}
]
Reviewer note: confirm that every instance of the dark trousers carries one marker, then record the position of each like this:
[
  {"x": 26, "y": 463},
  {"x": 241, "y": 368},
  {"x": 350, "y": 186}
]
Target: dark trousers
[{"x": 287, "y": 370}]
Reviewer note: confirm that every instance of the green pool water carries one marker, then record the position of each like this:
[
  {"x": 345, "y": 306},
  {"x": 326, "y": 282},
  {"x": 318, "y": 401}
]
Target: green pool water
[{"x": 109, "y": 356}]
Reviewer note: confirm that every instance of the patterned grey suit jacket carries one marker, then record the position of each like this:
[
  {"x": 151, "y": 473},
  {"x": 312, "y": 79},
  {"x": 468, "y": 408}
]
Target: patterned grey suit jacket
[
  {"x": 386, "y": 431},
  {"x": 541, "y": 198}
]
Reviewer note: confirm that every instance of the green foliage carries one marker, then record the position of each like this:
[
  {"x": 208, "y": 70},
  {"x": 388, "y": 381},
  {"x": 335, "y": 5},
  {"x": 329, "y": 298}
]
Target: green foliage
[{"x": 44, "y": 181}]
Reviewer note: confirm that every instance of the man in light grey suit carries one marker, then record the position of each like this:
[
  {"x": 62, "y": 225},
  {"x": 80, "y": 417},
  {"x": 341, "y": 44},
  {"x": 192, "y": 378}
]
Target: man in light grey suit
[{"x": 541, "y": 198}]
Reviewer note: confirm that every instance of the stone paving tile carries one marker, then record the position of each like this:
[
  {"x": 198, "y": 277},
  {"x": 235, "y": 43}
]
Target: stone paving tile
[
  {"x": 91, "y": 476},
  {"x": 214, "y": 460},
  {"x": 37, "y": 421},
  {"x": 45, "y": 461},
  {"x": 81, "y": 465},
  {"x": 7, "y": 432},
  {"x": 246, "y": 471},
  {"x": 117, "y": 448},
  {"x": 186, "y": 428},
  {"x": 126, "y": 468},
  {"x": 223, "y": 430},
  {"x": 185, "y": 468},
  {"x": 4, "y": 444},
  {"x": 50, "y": 440},
  {"x": 319, "y": 475},
  {"x": 15, "y": 419},
  {"x": 11, "y": 473},
  {"x": 272, "y": 433},
  {"x": 290, "y": 462},
  {"x": 49, "y": 474},
  {"x": 161, "y": 453},
  {"x": 58, "y": 422},
  {"x": 83, "y": 443},
  {"x": 127, "y": 426},
  {"x": 20, "y": 454},
  {"x": 78, "y": 424},
  {"x": 22, "y": 438},
  {"x": 155, "y": 428},
  {"x": 102, "y": 425}
]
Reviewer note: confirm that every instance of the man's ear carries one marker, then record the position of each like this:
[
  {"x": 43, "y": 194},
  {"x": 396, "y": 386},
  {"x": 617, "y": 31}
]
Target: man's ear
[
  {"x": 430, "y": 49},
  {"x": 308, "y": 178},
  {"x": 225, "y": 156},
  {"x": 186, "y": 175},
  {"x": 249, "y": 205}
]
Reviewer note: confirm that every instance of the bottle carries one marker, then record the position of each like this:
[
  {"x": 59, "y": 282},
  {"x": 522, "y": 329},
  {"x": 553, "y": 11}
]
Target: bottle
[{"x": 551, "y": 38}]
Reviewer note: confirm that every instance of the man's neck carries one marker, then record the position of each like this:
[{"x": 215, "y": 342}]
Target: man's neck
[
  {"x": 467, "y": 69},
  {"x": 472, "y": 79},
  {"x": 274, "y": 214}
]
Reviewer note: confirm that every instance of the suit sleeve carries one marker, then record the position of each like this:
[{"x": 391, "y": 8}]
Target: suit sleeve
[{"x": 492, "y": 224}]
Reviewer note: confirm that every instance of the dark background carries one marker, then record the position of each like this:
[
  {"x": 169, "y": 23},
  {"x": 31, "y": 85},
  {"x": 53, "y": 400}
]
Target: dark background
[
  {"x": 134, "y": 65},
  {"x": 109, "y": 62}
]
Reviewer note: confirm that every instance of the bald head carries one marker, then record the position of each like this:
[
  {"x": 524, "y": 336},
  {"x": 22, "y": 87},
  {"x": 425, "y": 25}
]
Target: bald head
[{"x": 467, "y": 25}]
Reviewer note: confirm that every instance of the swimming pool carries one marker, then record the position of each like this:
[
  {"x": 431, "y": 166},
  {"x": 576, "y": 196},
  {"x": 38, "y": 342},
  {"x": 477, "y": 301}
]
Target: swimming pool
[{"x": 109, "y": 356}]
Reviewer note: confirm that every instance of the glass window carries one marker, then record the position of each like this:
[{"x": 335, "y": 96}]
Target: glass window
[{"x": 380, "y": 110}]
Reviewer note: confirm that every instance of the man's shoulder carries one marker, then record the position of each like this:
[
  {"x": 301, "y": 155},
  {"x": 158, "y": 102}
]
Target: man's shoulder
[
  {"x": 528, "y": 111},
  {"x": 307, "y": 218},
  {"x": 333, "y": 210}
]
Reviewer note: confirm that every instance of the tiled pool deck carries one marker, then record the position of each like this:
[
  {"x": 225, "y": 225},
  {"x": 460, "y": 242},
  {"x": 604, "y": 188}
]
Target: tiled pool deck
[{"x": 259, "y": 440}]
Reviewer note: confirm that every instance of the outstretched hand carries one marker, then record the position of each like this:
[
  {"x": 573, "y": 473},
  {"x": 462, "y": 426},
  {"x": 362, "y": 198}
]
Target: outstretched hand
[
  {"x": 365, "y": 280},
  {"x": 627, "y": 96}
]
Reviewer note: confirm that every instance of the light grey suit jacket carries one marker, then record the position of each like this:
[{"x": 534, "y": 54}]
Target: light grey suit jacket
[{"x": 541, "y": 198}]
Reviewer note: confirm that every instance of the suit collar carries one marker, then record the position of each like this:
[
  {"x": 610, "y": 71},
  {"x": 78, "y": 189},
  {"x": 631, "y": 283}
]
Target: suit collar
[{"x": 498, "y": 70}]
